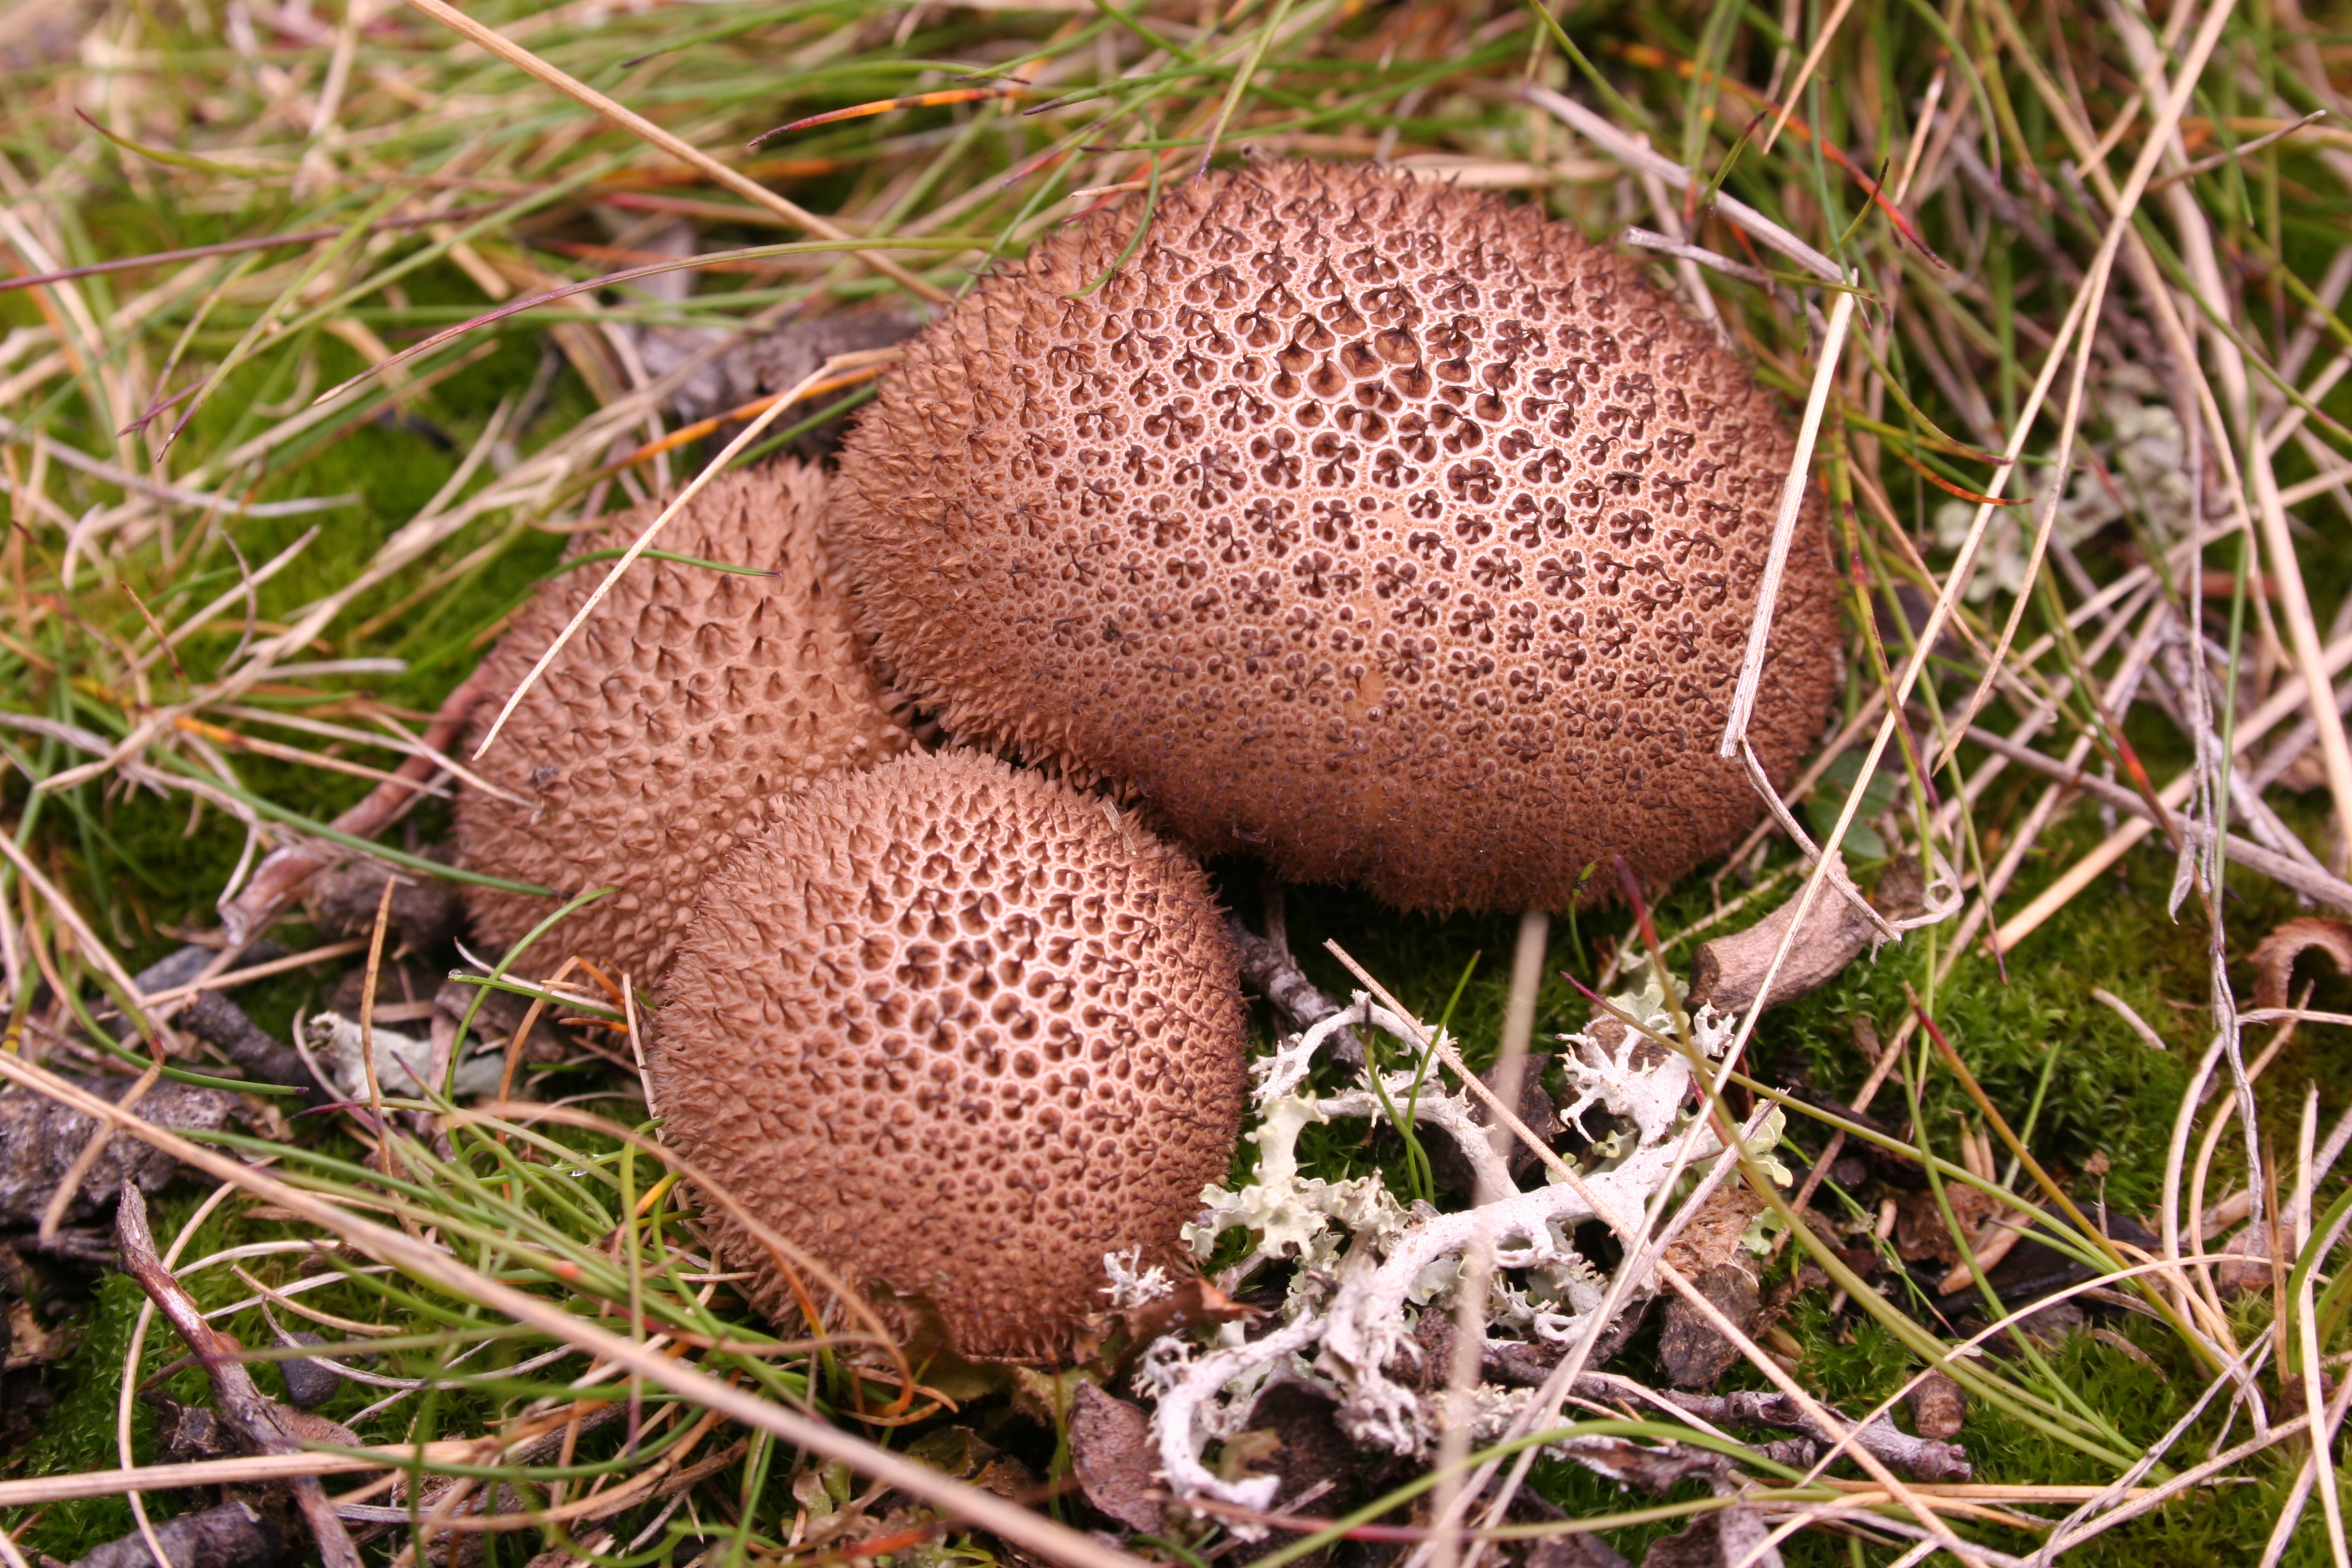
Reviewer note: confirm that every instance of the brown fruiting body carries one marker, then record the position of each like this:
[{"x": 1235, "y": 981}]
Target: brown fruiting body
[
  {"x": 670, "y": 724},
  {"x": 959, "y": 1033},
  {"x": 1392, "y": 529}
]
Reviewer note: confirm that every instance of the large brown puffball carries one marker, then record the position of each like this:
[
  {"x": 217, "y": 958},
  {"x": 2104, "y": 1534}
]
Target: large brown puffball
[
  {"x": 959, "y": 1031},
  {"x": 1388, "y": 528},
  {"x": 689, "y": 703}
]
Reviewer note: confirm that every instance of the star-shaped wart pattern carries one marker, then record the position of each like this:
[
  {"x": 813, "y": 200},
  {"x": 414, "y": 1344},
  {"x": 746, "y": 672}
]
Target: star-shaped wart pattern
[
  {"x": 1390, "y": 529},
  {"x": 690, "y": 702},
  {"x": 959, "y": 1033}
]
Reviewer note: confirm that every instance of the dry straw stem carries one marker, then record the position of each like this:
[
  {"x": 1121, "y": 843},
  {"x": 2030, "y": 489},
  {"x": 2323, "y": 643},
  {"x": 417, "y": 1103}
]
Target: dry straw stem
[
  {"x": 2078, "y": 320},
  {"x": 514, "y": 54},
  {"x": 2288, "y": 699},
  {"x": 2282, "y": 869},
  {"x": 1056, "y": 1542},
  {"x": 2195, "y": 232},
  {"x": 1784, "y": 527},
  {"x": 694, "y": 487},
  {"x": 1470, "y": 1328},
  {"x": 248, "y": 1470},
  {"x": 531, "y": 485}
]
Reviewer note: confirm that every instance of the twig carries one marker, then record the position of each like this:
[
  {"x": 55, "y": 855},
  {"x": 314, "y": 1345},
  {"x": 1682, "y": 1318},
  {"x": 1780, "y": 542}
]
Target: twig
[
  {"x": 1268, "y": 968},
  {"x": 245, "y": 1470},
  {"x": 1666, "y": 245},
  {"x": 241, "y": 1404},
  {"x": 1627, "y": 149},
  {"x": 1920, "y": 1457},
  {"x": 282, "y": 875},
  {"x": 2284, "y": 869},
  {"x": 2228, "y": 155}
]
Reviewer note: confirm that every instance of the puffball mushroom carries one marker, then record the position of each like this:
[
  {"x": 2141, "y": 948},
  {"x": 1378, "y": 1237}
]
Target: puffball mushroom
[
  {"x": 1386, "y": 528},
  {"x": 685, "y": 708},
  {"x": 959, "y": 1032}
]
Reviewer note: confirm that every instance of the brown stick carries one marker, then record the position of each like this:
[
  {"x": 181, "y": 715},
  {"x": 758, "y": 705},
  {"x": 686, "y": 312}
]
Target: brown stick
[
  {"x": 1268, "y": 969},
  {"x": 1729, "y": 971},
  {"x": 285, "y": 871},
  {"x": 242, "y": 1406}
]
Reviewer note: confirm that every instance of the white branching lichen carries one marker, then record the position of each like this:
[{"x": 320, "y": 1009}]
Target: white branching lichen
[
  {"x": 1363, "y": 1265},
  {"x": 1131, "y": 1286}
]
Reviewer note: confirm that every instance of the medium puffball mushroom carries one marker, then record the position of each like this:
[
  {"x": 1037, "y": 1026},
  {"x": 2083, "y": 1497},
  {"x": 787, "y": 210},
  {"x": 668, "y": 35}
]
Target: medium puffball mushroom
[
  {"x": 1394, "y": 530},
  {"x": 666, "y": 729},
  {"x": 960, "y": 1032}
]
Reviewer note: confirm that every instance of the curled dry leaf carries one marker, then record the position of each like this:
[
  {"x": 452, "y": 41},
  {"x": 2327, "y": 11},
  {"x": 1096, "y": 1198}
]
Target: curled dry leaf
[
  {"x": 2242, "y": 1264},
  {"x": 1693, "y": 1354},
  {"x": 1712, "y": 1236},
  {"x": 1920, "y": 1233},
  {"x": 1112, "y": 1451},
  {"x": 2273, "y": 957}
]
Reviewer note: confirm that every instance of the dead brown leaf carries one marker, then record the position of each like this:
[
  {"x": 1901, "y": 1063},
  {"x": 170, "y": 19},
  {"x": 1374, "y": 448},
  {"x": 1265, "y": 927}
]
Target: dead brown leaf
[
  {"x": 1712, "y": 1234},
  {"x": 1113, "y": 1455},
  {"x": 1694, "y": 1351},
  {"x": 2273, "y": 957},
  {"x": 1938, "y": 1408},
  {"x": 1920, "y": 1233}
]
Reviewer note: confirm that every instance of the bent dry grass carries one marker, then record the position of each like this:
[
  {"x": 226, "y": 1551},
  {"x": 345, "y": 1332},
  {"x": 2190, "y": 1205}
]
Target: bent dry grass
[{"x": 2079, "y": 413}]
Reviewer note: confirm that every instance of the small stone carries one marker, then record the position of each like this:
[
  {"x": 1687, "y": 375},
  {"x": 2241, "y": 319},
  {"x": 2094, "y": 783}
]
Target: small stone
[
  {"x": 1938, "y": 1408},
  {"x": 308, "y": 1383}
]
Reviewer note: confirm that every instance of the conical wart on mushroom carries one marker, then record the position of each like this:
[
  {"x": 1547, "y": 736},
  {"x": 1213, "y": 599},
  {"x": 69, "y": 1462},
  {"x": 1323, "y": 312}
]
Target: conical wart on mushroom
[{"x": 1364, "y": 1266}]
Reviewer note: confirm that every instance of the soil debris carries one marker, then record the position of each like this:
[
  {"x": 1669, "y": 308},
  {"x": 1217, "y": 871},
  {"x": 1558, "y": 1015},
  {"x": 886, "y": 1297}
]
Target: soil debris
[
  {"x": 1694, "y": 1353},
  {"x": 1584, "y": 1551},
  {"x": 426, "y": 912},
  {"x": 233, "y": 1535},
  {"x": 40, "y": 1140},
  {"x": 1737, "y": 1535}
]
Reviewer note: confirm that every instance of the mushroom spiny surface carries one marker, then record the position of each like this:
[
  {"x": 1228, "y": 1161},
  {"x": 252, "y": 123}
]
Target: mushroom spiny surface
[
  {"x": 1392, "y": 529},
  {"x": 671, "y": 722},
  {"x": 959, "y": 1033}
]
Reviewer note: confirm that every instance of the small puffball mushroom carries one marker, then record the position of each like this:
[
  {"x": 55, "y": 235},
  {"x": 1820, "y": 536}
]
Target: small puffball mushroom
[
  {"x": 1392, "y": 529},
  {"x": 959, "y": 1033},
  {"x": 670, "y": 724}
]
